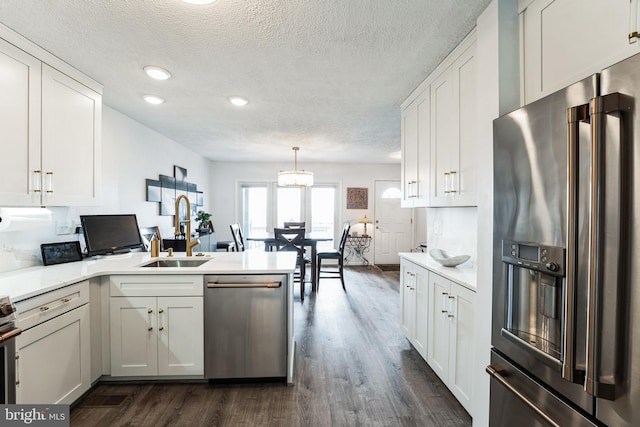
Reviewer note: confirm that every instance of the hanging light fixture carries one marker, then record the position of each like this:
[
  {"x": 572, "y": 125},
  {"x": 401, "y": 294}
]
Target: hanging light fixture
[{"x": 295, "y": 178}]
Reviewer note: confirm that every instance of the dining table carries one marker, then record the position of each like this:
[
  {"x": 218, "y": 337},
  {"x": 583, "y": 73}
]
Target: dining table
[{"x": 310, "y": 240}]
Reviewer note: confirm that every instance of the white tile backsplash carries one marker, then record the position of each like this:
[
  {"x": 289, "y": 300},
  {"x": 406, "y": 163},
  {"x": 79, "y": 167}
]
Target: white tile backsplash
[{"x": 454, "y": 230}]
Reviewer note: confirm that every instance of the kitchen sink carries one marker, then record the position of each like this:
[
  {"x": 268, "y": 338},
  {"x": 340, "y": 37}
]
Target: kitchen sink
[{"x": 180, "y": 263}]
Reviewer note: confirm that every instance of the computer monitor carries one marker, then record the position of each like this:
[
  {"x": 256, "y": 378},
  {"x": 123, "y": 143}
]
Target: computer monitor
[{"x": 109, "y": 234}]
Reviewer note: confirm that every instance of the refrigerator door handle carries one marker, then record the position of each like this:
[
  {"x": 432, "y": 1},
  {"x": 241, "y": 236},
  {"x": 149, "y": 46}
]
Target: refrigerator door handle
[
  {"x": 575, "y": 115},
  {"x": 606, "y": 242},
  {"x": 496, "y": 372}
]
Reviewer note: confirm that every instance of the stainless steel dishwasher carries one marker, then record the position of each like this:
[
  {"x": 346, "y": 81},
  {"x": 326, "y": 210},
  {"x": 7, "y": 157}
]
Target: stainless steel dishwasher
[{"x": 245, "y": 326}]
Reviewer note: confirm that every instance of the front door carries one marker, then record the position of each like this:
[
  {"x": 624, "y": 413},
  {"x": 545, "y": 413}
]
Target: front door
[{"x": 392, "y": 223}]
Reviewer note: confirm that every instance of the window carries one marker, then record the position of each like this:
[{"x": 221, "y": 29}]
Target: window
[
  {"x": 254, "y": 209},
  {"x": 265, "y": 206}
]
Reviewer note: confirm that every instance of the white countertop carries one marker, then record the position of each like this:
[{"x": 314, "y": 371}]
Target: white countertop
[
  {"x": 464, "y": 274},
  {"x": 29, "y": 282}
]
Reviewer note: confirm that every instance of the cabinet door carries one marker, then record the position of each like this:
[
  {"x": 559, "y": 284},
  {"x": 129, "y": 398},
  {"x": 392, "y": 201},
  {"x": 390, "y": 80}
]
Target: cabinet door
[
  {"x": 409, "y": 140},
  {"x": 424, "y": 151},
  {"x": 461, "y": 348},
  {"x": 439, "y": 321},
  {"x": 465, "y": 93},
  {"x": 134, "y": 339},
  {"x": 444, "y": 147},
  {"x": 180, "y": 336},
  {"x": 53, "y": 359},
  {"x": 407, "y": 298},
  {"x": 555, "y": 54},
  {"x": 71, "y": 141},
  {"x": 20, "y": 124},
  {"x": 421, "y": 332}
]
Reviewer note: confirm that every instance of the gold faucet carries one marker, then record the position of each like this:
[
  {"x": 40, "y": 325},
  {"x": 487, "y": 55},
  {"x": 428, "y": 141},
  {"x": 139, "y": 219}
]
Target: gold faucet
[{"x": 189, "y": 243}]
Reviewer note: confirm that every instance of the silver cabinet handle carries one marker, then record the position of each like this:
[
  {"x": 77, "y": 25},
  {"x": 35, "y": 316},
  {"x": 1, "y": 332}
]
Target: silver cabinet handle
[
  {"x": 49, "y": 182},
  {"x": 452, "y": 175},
  {"x": 446, "y": 182},
  {"x": 37, "y": 181}
]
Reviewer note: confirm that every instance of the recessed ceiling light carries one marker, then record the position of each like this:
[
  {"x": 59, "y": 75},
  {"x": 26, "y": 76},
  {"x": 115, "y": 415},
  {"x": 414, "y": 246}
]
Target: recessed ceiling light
[
  {"x": 238, "y": 101},
  {"x": 199, "y": 1},
  {"x": 152, "y": 99},
  {"x": 156, "y": 72}
]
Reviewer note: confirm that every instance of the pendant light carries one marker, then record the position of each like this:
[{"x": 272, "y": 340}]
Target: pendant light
[{"x": 295, "y": 178}]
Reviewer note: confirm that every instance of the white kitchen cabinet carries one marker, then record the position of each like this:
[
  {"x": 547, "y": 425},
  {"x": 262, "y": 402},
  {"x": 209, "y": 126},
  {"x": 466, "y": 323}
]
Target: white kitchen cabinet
[
  {"x": 51, "y": 123},
  {"x": 20, "y": 123},
  {"x": 453, "y": 93},
  {"x": 554, "y": 36},
  {"x": 71, "y": 141},
  {"x": 53, "y": 354},
  {"x": 414, "y": 304},
  {"x": 450, "y": 335},
  {"x": 415, "y": 152},
  {"x": 158, "y": 334}
]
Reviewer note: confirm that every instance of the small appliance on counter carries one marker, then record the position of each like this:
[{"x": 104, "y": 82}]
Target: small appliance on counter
[
  {"x": 60, "y": 252},
  {"x": 8, "y": 332}
]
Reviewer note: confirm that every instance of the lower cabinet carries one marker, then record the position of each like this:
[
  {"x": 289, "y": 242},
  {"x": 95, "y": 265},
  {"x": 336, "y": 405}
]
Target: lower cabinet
[
  {"x": 156, "y": 336},
  {"x": 414, "y": 304},
  {"x": 53, "y": 361},
  {"x": 451, "y": 329},
  {"x": 159, "y": 334}
]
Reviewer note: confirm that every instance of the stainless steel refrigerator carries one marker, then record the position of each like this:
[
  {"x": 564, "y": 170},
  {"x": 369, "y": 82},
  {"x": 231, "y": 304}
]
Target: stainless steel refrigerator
[{"x": 566, "y": 257}]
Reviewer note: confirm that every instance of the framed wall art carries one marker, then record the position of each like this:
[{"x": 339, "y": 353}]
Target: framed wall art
[{"x": 357, "y": 198}]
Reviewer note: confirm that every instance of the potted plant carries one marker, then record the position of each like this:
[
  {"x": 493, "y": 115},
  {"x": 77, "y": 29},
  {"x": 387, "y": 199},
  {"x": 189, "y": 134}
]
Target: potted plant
[{"x": 205, "y": 222}]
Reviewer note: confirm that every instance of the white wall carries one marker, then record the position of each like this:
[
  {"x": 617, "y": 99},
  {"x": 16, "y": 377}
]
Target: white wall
[
  {"x": 226, "y": 176},
  {"x": 131, "y": 153}
]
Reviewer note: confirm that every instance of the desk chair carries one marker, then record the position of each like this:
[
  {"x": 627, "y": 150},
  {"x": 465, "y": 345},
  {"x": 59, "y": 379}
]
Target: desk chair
[
  {"x": 337, "y": 254},
  {"x": 238, "y": 239},
  {"x": 292, "y": 239},
  {"x": 147, "y": 233}
]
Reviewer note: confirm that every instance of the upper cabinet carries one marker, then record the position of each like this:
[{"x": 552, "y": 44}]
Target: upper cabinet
[
  {"x": 415, "y": 152},
  {"x": 71, "y": 132},
  {"x": 564, "y": 41},
  {"x": 453, "y": 130},
  {"x": 51, "y": 118},
  {"x": 438, "y": 134}
]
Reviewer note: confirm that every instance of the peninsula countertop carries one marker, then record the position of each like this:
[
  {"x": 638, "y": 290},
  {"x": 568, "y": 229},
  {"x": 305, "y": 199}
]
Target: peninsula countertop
[{"x": 28, "y": 282}]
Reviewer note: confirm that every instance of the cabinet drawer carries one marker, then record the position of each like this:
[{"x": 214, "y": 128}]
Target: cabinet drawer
[
  {"x": 155, "y": 285},
  {"x": 43, "y": 307}
]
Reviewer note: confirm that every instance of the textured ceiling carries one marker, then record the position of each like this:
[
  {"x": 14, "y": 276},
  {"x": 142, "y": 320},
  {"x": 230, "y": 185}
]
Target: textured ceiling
[{"x": 326, "y": 75}]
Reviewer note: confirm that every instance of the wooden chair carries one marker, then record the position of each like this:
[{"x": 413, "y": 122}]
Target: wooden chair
[
  {"x": 147, "y": 233},
  {"x": 292, "y": 239},
  {"x": 292, "y": 224},
  {"x": 238, "y": 239},
  {"x": 337, "y": 254}
]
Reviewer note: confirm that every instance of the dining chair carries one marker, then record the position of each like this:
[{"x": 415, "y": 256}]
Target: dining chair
[
  {"x": 238, "y": 239},
  {"x": 147, "y": 233},
  {"x": 292, "y": 239},
  {"x": 293, "y": 224},
  {"x": 335, "y": 254}
]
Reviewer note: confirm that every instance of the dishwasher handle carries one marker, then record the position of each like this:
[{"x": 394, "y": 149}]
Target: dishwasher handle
[{"x": 274, "y": 284}]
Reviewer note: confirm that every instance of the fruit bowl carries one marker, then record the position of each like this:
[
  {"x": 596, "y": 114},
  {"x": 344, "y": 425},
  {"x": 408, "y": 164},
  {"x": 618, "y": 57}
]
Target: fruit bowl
[{"x": 446, "y": 259}]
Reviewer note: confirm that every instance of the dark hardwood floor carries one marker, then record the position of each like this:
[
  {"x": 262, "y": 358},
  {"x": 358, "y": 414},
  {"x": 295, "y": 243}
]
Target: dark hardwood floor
[{"x": 353, "y": 368}]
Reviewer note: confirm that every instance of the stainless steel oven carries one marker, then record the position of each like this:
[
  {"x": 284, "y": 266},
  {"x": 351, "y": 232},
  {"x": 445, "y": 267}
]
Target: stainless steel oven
[{"x": 8, "y": 332}]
